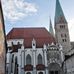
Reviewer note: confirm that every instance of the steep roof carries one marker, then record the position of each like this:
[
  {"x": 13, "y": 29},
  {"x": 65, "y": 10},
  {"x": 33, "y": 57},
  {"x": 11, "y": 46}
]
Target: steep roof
[
  {"x": 41, "y": 35},
  {"x": 59, "y": 15},
  {"x": 51, "y": 28}
]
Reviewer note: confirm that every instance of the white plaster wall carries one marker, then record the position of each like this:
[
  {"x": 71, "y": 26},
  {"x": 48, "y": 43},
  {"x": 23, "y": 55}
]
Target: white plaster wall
[{"x": 15, "y": 41}]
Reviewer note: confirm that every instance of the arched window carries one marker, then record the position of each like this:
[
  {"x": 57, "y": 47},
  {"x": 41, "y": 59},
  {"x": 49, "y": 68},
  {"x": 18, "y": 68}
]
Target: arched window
[
  {"x": 28, "y": 73},
  {"x": 39, "y": 59},
  {"x": 12, "y": 63},
  {"x": 28, "y": 59},
  {"x": 40, "y": 72},
  {"x": 16, "y": 66}
]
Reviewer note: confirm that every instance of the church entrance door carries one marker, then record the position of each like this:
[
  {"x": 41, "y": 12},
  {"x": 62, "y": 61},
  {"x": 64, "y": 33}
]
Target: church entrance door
[
  {"x": 40, "y": 72},
  {"x": 53, "y": 72}
]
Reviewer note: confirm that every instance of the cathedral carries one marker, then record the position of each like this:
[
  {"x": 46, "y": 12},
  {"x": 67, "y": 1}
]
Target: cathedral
[{"x": 37, "y": 51}]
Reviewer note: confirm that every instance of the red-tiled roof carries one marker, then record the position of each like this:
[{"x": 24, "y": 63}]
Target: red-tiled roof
[{"x": 41, "y": 35}]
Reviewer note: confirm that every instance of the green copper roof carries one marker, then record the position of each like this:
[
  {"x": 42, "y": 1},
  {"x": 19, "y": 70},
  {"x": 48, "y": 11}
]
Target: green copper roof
[
  {"x": 51, "y": 28},
  {"x": 59, "y": 15}
]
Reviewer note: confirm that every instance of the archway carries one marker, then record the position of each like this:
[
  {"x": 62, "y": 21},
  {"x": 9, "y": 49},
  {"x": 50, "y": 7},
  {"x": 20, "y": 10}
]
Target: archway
[
  {"x": 54, "y": 68},
  {"x": 28, "y": 73},
  {"x": 40, "y": 73}
]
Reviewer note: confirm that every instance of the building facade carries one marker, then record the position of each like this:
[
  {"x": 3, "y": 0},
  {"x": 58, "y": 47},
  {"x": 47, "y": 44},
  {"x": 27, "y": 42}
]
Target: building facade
[
  {"x": 28, "y": 55},
  {"x": 37, "y": 51},
  {"x": 69, "y": 61}
]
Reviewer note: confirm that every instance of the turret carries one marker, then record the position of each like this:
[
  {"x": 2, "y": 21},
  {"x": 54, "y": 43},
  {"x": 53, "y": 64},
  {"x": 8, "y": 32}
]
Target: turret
[{"x": 51, "y": 28}]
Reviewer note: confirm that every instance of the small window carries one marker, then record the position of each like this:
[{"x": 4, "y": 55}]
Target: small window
[
  {"x": 61, "y": 35},
  {"x": 62, "y": 26},
  {"x": 40, "y": 73},
  {"x": 12, "y": 43},
  {"x": 65, "y": 35},
  {"x": 28, "y": 73},
  {"x": 56, "y": 72},
  {"x": 33, "y": 44},
  {"x": 64, "y": 40},
  {"x": 51, "y": 72}
]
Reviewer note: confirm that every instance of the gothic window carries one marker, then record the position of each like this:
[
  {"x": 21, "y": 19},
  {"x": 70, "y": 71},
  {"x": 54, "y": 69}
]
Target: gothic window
[
  {"x": 16, "y": 66},
  {"x": 28, "y": 59},
  {"x": 40, "y": 72},
  {"x": 12, "y": 63},
  {"x": 39, "y": 59},
  {"x": 12, "y": 58},
  {"x": 28, "y": 73},
  {"x": 51, "y": 72}
]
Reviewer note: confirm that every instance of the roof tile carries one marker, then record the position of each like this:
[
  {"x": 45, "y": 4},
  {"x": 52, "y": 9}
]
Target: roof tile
[{"x": 41, "y": 35}]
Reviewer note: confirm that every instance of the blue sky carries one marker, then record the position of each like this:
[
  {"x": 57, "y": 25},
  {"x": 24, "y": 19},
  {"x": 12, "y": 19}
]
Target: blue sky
[{"x": 36, "y": 13}]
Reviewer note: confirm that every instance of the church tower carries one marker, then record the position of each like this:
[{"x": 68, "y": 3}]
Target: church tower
[
  {"x": 61, "y": 28},
  {"x": 51, "y": 28}
]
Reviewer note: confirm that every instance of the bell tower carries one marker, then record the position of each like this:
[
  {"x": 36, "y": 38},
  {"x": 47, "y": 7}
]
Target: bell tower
[{"x": 61, "y": 29}]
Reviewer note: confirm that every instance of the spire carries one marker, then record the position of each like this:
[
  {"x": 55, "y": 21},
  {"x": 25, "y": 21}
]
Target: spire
[
  {"x": 59, "y": 15},
  {"x": 51, "y": 28}
]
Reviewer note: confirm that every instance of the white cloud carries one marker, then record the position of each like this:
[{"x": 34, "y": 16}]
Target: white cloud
[
  {"x": 17, "y": 9},
  {"x": 71, "y": 29}
]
